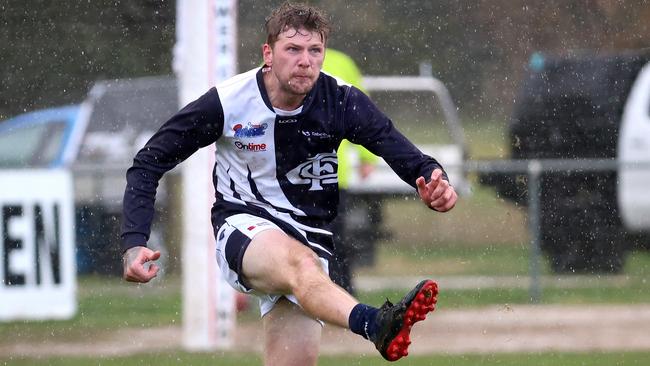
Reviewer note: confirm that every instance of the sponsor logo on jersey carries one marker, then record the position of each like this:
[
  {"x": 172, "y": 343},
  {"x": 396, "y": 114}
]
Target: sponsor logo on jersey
[
  {"x": 323, "y": 135},
  {"x": 250, "y": 146},
  {"x": 317, "y": 171},
  {"x": 259, "y": 224},
  {"x": 287, "y": 120},
  {"x": 251, "y": 130}
]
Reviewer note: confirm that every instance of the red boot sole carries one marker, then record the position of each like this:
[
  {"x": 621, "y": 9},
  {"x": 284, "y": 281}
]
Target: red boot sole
[{"x": 423, "y": 303}]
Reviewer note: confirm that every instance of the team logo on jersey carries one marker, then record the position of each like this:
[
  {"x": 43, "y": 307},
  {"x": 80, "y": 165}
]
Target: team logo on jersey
[
  {"x": 319, "y": 170},
  {"x": 251, "y": 130},
  {"x": 250, "y": 146}
]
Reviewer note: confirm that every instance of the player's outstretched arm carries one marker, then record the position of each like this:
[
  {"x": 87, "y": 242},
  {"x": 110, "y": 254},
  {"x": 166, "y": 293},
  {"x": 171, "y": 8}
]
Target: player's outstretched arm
[
  {"x": 437, "y": 194},
  {"x": 134, "y": 261}
]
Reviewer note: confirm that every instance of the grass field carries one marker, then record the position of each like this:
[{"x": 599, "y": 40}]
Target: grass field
[
  {"x": 106, "y": 304},
  {"x": 483, "y": 236},
  {"x": 218, "y": 359},
  {"x": 495, "y": 245},
  {"x": 442, "y": 248}
]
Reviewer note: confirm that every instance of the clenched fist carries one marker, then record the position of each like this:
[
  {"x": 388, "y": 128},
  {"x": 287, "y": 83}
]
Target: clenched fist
[{"x": 134, "y": 261}]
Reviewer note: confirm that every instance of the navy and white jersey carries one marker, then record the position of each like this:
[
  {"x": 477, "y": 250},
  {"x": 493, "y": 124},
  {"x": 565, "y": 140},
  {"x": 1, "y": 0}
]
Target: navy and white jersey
[{"x": 280, "y": 165}]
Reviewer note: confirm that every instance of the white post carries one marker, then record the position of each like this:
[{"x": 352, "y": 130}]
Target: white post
[{"x": 205, "y": 54}]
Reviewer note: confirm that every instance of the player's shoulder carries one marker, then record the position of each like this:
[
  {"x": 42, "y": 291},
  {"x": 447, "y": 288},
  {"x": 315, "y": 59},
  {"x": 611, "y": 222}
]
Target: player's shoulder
[
  {"x": 238, "y": 81},
  {"x": 239, "y": 85},
  {"x": 334, "y": 86}
]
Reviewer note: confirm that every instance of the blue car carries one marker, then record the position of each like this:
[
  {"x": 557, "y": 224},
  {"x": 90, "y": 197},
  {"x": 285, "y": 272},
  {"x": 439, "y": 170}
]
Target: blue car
[{"x": 41, "y": 139}]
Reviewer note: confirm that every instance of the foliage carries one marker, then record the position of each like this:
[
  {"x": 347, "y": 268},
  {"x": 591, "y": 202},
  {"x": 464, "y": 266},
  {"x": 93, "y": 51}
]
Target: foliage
[{"x": 52, "y": 50}]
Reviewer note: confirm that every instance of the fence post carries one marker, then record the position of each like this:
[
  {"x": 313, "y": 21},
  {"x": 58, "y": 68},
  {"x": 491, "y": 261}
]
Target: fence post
[{"x": 534, "y": 207}]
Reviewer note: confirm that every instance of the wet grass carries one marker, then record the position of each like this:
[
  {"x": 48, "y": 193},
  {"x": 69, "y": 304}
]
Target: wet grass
[
  {"x": 637, "y": 292},
  {"x": 107, "y": 303},
  {"x": 423, "y": 259},
  {"x": 510, "y": 261},
  {"x": 219, "y": 359},
  {"x": 104, "y": 305},
  {"x": 479, "y": 219},
  {"x": 496, "y": 259},
  {"x": 483, "y": 235}
]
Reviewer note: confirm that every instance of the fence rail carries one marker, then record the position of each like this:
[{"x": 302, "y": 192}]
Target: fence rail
[{"x": 534, "y": 168}]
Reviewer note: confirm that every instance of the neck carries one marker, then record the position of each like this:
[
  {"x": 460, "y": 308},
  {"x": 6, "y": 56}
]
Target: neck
[{"x": 280, "y": 98}]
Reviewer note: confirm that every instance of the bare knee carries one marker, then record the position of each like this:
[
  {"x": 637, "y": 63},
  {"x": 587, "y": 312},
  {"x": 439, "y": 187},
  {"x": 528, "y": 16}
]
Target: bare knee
[
  {"x": 308, "y": 272},
  {"x": 306, "y": 261}
]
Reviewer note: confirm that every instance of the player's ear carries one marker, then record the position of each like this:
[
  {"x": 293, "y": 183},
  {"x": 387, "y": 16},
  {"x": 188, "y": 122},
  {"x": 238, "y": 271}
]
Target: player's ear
[{"x": 267, "y": 54}]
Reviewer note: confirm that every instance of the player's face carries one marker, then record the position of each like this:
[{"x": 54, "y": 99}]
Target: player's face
[{"x": 296, "y": 60}]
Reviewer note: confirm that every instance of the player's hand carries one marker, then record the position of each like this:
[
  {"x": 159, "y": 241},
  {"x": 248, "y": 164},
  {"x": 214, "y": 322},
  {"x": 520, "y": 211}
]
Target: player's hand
[
  {"x": 437, "y": 194},
  {"x": 134, "y": 261}
]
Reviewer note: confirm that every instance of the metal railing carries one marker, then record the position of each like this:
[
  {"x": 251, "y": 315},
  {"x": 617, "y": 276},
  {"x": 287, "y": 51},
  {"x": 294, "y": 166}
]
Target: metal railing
[{"x": 533, "y": 169}]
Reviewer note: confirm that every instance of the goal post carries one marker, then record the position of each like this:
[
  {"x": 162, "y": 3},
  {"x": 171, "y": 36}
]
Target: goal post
[{"x": 205, "y": 53}]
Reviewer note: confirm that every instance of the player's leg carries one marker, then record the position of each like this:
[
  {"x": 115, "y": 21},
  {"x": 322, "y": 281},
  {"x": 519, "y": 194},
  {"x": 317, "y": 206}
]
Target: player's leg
[
  {"x": 260, "y": 256},
  {"x": 276, "y": 263},
  {"x": 291, "y": 337}
]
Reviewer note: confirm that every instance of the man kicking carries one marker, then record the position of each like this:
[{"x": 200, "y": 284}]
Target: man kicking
[{"x": 276, "y": 129}]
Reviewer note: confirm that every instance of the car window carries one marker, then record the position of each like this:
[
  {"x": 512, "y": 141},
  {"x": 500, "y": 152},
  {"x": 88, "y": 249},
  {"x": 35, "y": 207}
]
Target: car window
[{"x": 31, "y": 146}]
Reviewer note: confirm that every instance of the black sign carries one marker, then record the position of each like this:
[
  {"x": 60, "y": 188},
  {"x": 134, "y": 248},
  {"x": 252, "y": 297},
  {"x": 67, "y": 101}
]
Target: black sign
[{"x": 41, "y": 234}]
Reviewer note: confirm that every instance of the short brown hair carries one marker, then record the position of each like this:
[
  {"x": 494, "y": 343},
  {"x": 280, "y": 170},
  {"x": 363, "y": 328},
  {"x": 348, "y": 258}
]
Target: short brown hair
[{"x": 296, "y": 16}]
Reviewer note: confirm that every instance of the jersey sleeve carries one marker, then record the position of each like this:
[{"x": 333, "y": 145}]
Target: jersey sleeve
[
  {"x": 366, "y": 125},
  {"x": 197, "y": 125}
]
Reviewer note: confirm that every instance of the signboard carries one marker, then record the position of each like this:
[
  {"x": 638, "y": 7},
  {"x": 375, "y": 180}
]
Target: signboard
[{"x": 37, "y": 267}]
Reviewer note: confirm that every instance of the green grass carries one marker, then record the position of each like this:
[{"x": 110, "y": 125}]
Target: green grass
[
  {"x": 478, "y": 219},
  {"x": 638, "y": 263},
  {"x": 482, "y": 236},
  {"x": 632, "y": 287},
  {"x": 106, "y": 304},
  {"x": 219, "y": 359},
  {"x": 496, "y": 259},
  {"x": 635, "y": 293},
  {"x": 422, "y": 259}
]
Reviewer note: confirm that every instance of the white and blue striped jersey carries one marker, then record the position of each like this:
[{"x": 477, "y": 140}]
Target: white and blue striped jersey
[{"x": 280, "y": 165}]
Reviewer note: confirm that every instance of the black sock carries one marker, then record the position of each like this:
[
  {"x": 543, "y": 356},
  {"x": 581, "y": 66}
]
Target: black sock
[{"x": 362, "y": 320}]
